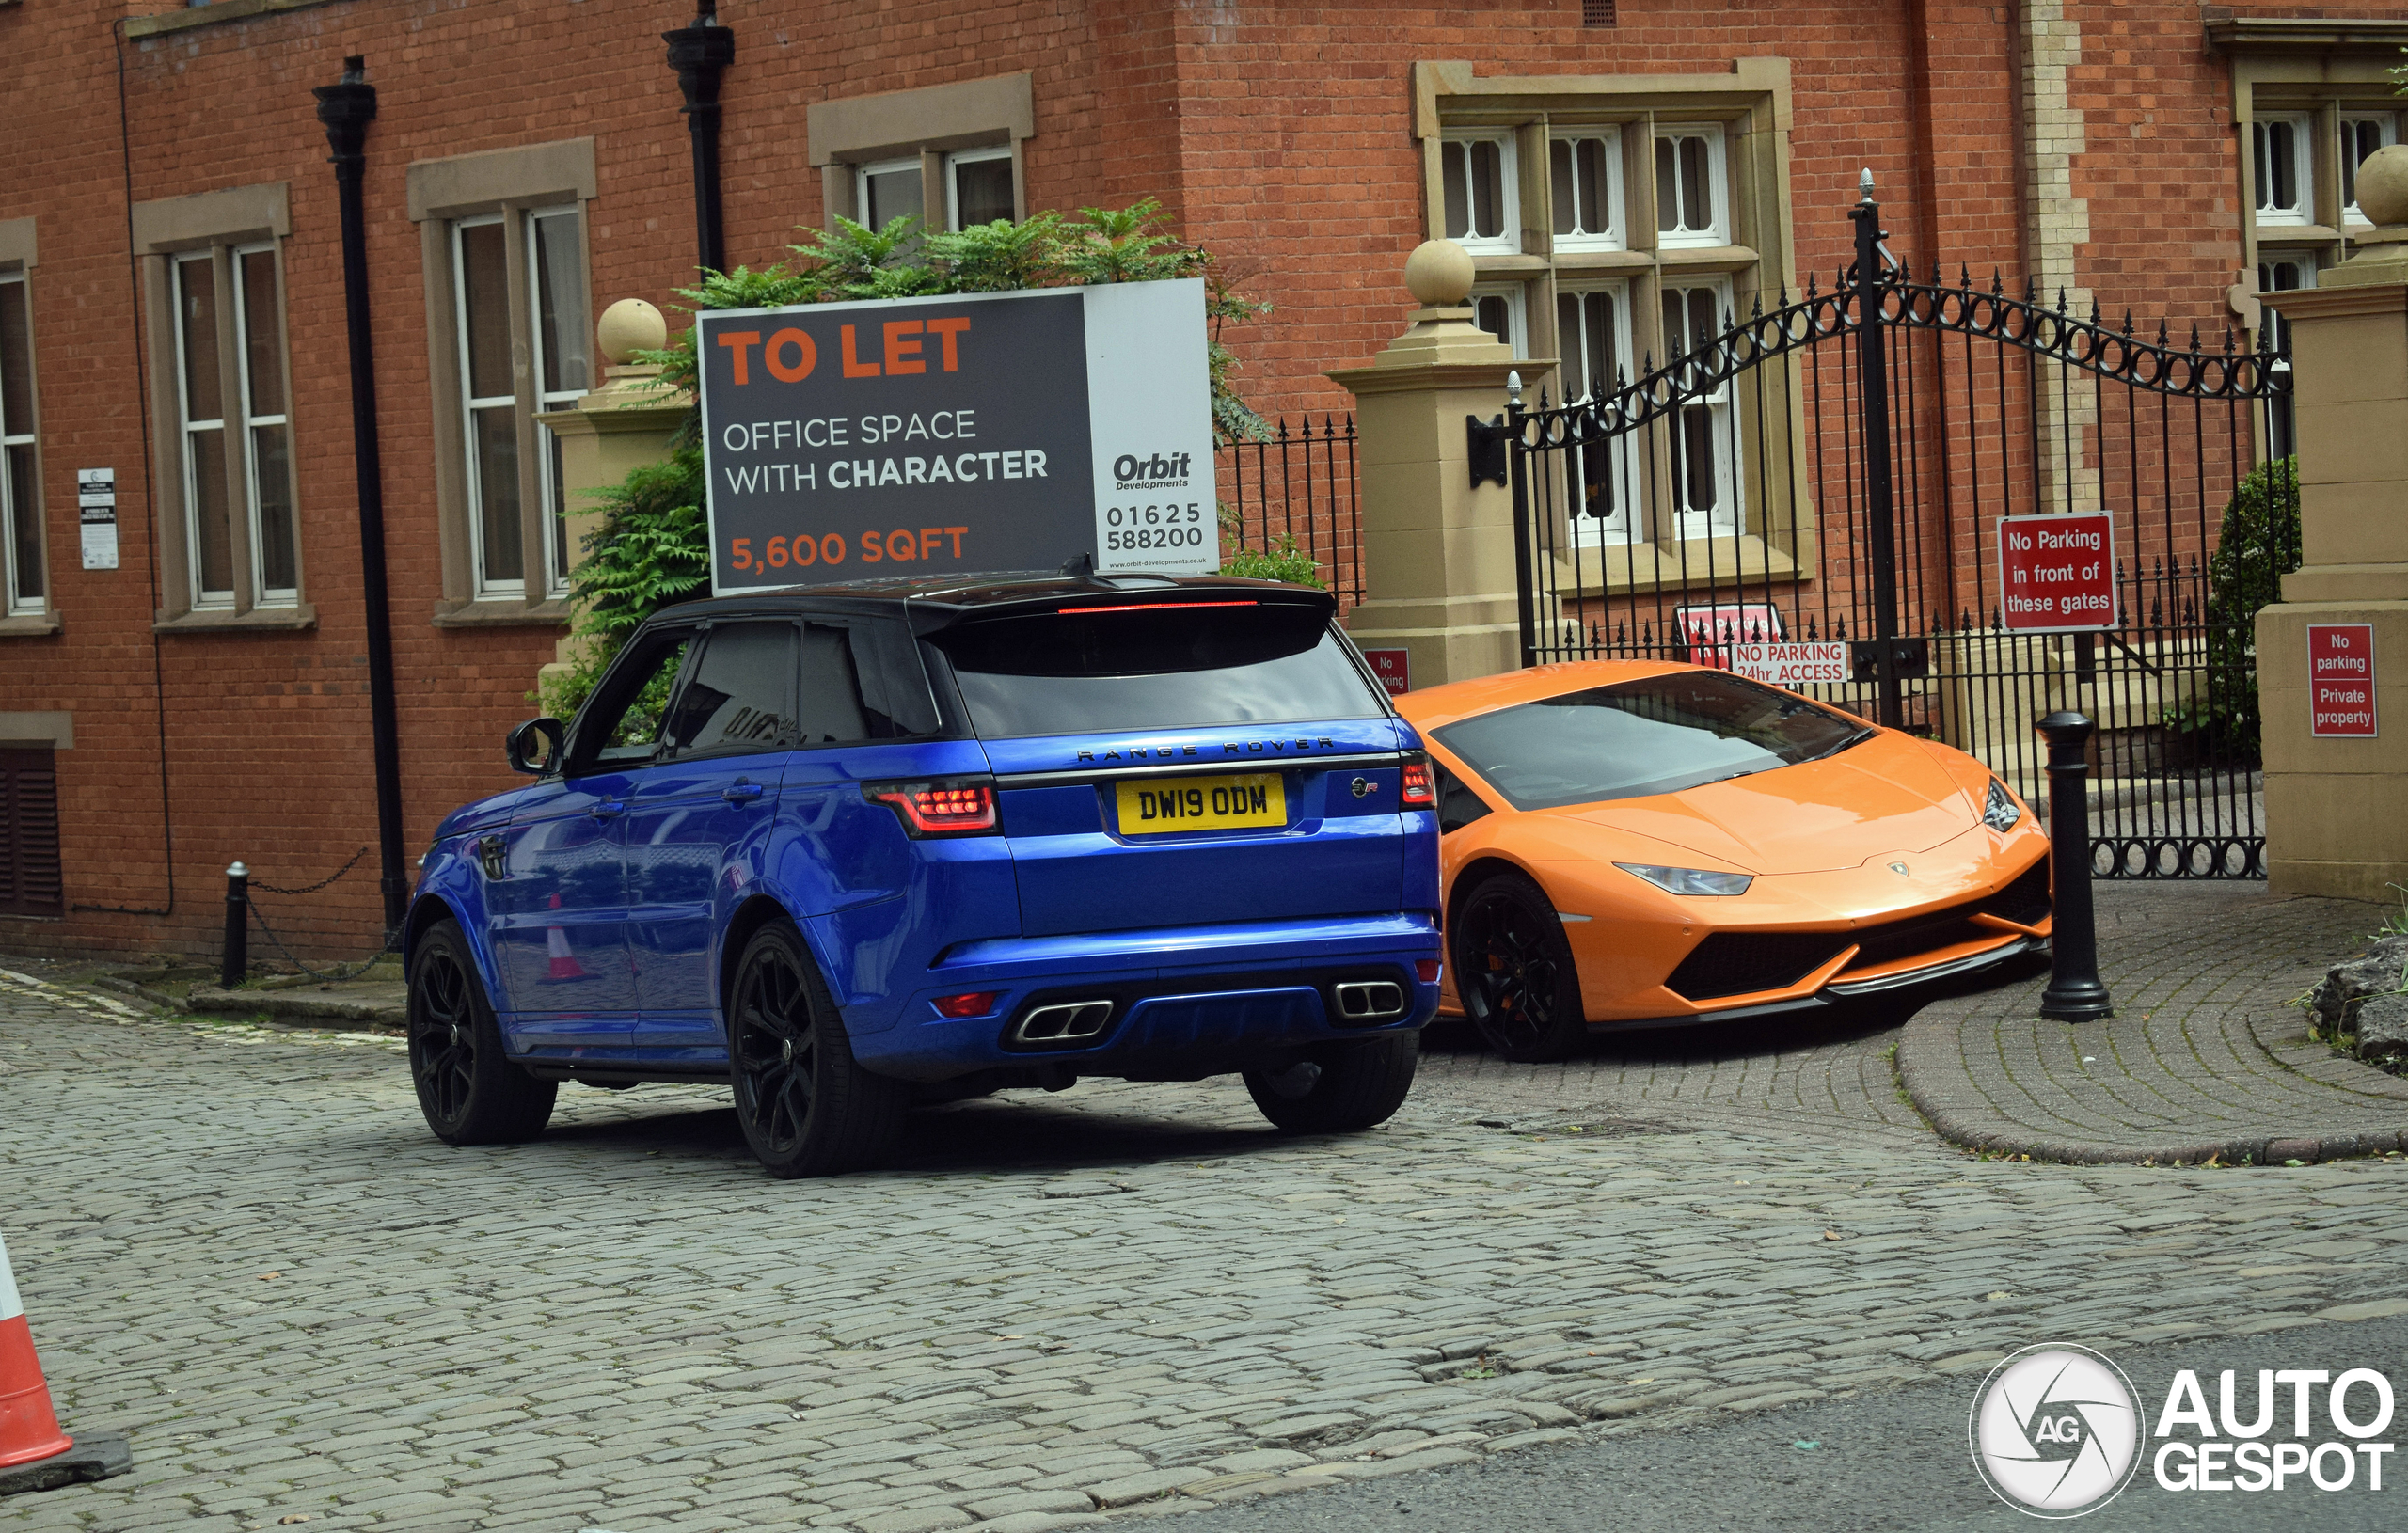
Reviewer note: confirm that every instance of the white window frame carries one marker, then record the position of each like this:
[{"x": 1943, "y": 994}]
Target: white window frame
[
  {"x": 2387, "y": 131},
  {"x": 953, "y": 188},
  {"x": 2303, "y": 170},
  {"x": 1613, "y": 235},
  {"x": 1508, "y": 242},
  {"x": 862, "y": 173},
  {"x": 1728, "y": 516},
  {"x": 557, "y": 556},
  {"x": 1594, "y": 531},
  {"x": 202, "y": 601},
  {"x": 1717, "y": 185},
  {"x": 1517, "y": 319},
  {"x": 265, "y": 596},
  {"x": 483, "y": 588},
  {"x": 15, "y": 434}
]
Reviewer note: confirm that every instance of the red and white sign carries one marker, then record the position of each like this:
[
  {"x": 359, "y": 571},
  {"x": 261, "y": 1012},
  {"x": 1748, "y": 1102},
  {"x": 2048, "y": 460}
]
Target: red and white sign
[
  {"x": 2057, "y": 573},
  {"x": 2340, "y": 678},
  {"x": 1392, "y": 666},
  {"x": 1709, "y": 632},
  {"x": 1789, "y": 665}
]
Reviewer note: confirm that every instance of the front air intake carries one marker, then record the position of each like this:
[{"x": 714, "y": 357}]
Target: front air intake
[{"x": 1059, "y": 1023}]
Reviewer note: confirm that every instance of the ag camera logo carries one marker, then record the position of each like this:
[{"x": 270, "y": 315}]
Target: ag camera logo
[{"x": 2055, "y": 1430}]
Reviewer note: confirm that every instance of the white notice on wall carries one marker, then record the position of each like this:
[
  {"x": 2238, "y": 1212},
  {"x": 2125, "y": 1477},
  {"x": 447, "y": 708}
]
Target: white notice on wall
[{"x": 96, "y": 505}]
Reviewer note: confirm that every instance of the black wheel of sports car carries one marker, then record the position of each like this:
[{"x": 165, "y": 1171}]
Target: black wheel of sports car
[
  {"x": 1514, "y": 973},
  {"x": 806, "y": 1108},
  {"x": 469, "y": 1092},
  {"x": 1343, "y": 1088}
]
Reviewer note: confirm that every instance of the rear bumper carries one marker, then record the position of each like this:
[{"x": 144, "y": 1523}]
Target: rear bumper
[{"x": 1186, "y": 1002}]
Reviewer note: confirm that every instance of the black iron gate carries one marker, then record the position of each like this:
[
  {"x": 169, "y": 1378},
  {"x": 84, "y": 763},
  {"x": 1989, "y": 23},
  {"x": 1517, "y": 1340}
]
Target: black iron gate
[{"x": 1829, "y": 472}]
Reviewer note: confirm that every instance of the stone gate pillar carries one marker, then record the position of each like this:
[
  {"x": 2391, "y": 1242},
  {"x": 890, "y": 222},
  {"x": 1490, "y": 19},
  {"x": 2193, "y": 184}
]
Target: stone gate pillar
[
  {"x": 2336, "y": 805},
  {"x": 623, "y": 425},
  {"x": 1437, "y": 551}
]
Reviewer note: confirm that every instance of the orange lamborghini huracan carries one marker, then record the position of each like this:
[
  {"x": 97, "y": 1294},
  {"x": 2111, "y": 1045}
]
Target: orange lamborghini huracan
[{"x": 1631, "y": 843}]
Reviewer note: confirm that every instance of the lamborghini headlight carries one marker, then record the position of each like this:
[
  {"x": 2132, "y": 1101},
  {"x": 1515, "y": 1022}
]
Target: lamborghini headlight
[
  {"x": 2001, "y": 812},
  {"x": 1688, "y": 880}
]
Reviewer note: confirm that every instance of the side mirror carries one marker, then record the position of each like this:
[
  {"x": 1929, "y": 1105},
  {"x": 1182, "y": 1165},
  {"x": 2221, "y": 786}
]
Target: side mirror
[{"x": 536, "y": 747}]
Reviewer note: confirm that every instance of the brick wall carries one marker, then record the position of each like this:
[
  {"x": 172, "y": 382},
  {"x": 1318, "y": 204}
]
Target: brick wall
[{"x": 1280, "y": 135}]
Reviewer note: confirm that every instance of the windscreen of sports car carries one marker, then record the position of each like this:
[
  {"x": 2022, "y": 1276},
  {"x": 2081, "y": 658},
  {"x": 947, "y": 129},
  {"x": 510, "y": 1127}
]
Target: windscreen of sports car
[{"x": 1657, "y": 735}]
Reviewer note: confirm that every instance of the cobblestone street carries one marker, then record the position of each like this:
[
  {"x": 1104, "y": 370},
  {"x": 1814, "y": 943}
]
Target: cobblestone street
[{"x": 241, "y": 1247}]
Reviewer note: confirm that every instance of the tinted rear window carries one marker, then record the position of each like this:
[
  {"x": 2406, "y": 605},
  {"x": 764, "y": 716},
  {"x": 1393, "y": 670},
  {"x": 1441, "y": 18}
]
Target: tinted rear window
[
  {"x": 1659, "y": 735},
  {"x": 1168, "y": 667}
]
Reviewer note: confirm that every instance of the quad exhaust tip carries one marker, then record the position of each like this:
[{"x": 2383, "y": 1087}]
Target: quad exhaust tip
[
  {"x": 1370, "y": 1001},
  {"x": 1063, "y": 1021}
]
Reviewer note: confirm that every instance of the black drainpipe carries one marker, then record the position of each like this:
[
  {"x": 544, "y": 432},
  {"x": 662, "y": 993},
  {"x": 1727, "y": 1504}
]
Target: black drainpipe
[
  {"x": 700, "y": 54},
  {"x": 347, "y": 107}
]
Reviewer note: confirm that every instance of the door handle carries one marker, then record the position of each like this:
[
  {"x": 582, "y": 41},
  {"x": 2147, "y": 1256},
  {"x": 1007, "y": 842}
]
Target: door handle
[
  {"x": 609, "y": 809},
  {"x": 742, "y": 793}
]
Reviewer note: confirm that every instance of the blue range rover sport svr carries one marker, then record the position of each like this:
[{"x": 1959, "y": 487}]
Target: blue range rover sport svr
[{"x": 854, "y": 848}]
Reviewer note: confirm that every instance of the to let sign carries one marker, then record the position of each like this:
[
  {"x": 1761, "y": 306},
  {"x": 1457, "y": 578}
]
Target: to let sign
[
  {"x": 2057, "y": 573},
  {"x": 974, "y": 432},
  {"x": 2340, "y": 678}
]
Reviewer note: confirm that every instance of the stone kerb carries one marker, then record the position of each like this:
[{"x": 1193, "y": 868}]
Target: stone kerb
[
  {"x": 2336, "y": 808},
  {"x": 1437, "y": 550},
  {"x": 628, "y": 422}
]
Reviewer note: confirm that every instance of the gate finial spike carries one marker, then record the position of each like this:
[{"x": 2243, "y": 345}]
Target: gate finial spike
[
  {"x": 2160, "y": 329},
  {"x": 1998, "y": 282},
  {"x": 2195, "y": 335},
  {"x": 2031, "y": 291},
  {"x": 1811, "y": 289},
  {"x": 2127, "y": 322},
  {"x": 1513, "y": 388},
  {"x": 1864, "y": 183},
  {"x": 2060, "y": 300},
  {"x": 1964, "y": 277},
  {"x": 2227, "y": 338},
  {"x": 2094, "y": 308},
  {"x": 1756, "y": 309}
]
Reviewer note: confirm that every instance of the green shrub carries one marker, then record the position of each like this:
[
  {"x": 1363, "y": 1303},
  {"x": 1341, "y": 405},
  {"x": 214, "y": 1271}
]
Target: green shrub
[
  {"x": 1282, "y": 560},
  {"x": 2257, "y": 544},
  {"x": 651, "y": 549}
]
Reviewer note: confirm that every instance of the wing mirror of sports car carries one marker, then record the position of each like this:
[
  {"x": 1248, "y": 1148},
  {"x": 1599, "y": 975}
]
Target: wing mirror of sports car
[{"x": 534, "y": 747}]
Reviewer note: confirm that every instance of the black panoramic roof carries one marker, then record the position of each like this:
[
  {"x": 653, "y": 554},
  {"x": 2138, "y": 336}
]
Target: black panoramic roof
[{"x": 934, "y": 601}]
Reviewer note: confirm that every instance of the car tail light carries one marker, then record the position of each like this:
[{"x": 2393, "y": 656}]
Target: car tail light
[
  {"x": 968, "y": 1003},
  {"x": 1426, "y": 971},
  {"x": 962, "y": 807},
  {"x": 1418, "y": 792}
]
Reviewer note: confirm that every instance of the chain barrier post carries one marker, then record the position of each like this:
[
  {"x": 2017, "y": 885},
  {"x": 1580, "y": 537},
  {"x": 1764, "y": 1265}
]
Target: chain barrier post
[
  {"x": 1873, "y": 422},
  {"x": 237, "y": 960},
  {"x": 2075, "y": 992}
]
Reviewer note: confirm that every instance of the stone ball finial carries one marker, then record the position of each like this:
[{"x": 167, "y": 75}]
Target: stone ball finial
[
  {"x": 2383, "y": 186},
  {"x": 629, "y": 326},
  {"x": 1439, "y": 274}
]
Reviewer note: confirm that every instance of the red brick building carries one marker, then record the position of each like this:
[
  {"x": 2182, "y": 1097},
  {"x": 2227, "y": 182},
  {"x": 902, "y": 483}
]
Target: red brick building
[{"x": 172, "y": 298}]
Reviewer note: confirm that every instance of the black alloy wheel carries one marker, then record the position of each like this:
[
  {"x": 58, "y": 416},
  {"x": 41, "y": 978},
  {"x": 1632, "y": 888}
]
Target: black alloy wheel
[
  {"x": 470, "y": 1091},
  {"x": 1514, "y": 973},
  {"x": 806, "y": 1108}
]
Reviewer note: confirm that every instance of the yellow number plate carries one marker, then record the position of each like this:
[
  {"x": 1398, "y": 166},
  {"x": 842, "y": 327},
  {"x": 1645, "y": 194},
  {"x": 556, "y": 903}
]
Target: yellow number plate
[{"x": 1202, "y": 803}]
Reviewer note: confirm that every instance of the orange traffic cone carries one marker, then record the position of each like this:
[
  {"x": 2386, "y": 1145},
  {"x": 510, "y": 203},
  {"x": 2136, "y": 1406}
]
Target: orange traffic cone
[
  {"x": 563, "y": 962},
  {"x": 34, "y": 1454}
]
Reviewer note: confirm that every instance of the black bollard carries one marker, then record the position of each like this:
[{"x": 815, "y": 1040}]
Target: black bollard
[
  {"x": 2075, "y": 993},
  {"x": 238, "y": 928}
]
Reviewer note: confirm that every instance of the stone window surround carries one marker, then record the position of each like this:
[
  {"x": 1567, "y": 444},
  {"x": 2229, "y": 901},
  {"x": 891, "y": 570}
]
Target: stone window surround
[
  {"x": 1752, "y": 103},
  {"x": 929, "y": 122},
  {"x": 18, "y": 254},
  {"x": 163, "y": 230},
  {"x": 2327, "y": 69},
  {"x": 513, "y": 182}
]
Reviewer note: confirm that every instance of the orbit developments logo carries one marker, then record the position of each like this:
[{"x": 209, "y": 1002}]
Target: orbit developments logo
[
  {"x": 2055, "y": 1430},
  {"x": 1159, "y": 470}
]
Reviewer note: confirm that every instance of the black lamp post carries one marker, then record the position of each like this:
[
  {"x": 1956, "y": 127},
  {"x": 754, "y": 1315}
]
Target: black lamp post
[
  {"x": 346, "y": 108},
  {"x": 701, "y": 53},
  {"x": 2075, "y": 992}
]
